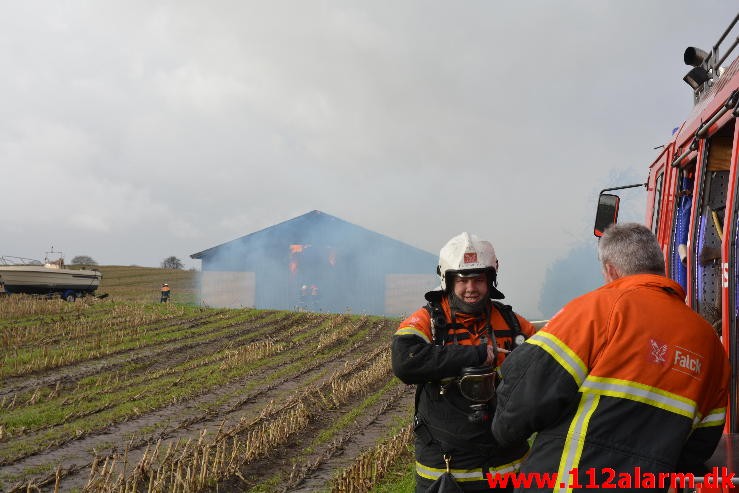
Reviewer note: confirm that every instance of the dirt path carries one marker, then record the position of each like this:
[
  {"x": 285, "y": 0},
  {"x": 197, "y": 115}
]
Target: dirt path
[
  {"x": 148, "y": 360},
  {"x": 68, "y": 375},
  {"x": 179, "y": 421},
  {"x": 292, "y": 468},
  {"x": 363, "y": 435}
]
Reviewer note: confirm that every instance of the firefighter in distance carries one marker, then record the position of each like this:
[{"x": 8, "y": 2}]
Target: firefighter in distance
[
  {"x": 164, "y": 293},
  {"x": 450, "y": 349}
]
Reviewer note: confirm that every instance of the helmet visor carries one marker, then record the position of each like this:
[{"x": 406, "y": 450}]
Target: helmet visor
[{"x": 469, "y": 273}]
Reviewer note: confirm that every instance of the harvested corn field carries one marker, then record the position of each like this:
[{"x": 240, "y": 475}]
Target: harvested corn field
[{"x": 126, "y": 396}]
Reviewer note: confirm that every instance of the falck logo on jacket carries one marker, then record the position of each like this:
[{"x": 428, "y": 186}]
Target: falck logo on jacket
[
  {"x": 659, "y": 351},
  {"x": 688, "y": 362}
]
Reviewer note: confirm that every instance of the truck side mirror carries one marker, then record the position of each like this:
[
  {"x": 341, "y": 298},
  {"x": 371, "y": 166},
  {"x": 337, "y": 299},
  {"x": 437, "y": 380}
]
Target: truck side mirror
[{"x": 607, "y": 212}]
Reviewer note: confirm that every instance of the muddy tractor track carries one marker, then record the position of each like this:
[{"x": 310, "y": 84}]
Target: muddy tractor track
[{"x": 225, "y": 373}]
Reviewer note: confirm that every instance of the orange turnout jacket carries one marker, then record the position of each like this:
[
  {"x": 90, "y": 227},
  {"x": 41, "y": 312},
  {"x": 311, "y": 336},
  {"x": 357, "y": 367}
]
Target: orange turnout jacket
[
  {"x": 625, "y": 376},
  {"x": 442, "y": 423}
]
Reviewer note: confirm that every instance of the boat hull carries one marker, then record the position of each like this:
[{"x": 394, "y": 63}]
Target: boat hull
[{"x": 40, "y": 280}]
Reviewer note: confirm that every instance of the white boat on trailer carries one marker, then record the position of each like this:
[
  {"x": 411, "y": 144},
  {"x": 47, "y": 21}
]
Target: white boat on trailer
[{"x": 22, "y": 275}]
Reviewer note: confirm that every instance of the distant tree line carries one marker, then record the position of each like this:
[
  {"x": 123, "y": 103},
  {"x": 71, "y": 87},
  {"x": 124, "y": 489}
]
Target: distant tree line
[
  {"x": 83, "y": 260},
  {"x": 168, "y": 263},
  {"x": 172, "y": 263}
]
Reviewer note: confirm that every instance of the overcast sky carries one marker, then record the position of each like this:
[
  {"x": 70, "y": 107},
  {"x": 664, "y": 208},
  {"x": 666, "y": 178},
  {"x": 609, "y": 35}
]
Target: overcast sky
[{"x": 134, "y": 130}]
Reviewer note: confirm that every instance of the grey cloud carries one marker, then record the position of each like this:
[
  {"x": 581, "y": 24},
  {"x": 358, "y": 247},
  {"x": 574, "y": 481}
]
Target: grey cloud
[{"x": 181, "y": 125}]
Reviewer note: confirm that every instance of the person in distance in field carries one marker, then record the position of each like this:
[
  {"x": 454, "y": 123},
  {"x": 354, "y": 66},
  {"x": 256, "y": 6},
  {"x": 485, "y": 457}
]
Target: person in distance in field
[
  {"x": 165, "y": 293},
  {"x": 450, "y": 349},
  {"x": 625, "y": 378}
]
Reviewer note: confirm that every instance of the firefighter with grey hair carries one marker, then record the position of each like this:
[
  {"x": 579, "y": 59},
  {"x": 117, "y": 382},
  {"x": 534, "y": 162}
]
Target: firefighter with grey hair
[
  {"x": 625, "y": 380},
  {"x": 450, "y": 350}
]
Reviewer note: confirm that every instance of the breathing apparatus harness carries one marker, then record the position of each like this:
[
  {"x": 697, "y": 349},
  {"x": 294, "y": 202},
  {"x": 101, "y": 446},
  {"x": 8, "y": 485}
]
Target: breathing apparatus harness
[
  {"x": 440, "y": 328},
  {"x": 476, "y": 383}
]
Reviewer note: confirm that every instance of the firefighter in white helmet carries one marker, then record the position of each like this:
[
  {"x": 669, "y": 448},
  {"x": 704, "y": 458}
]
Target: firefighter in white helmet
[{"x": 450, "y": 349}]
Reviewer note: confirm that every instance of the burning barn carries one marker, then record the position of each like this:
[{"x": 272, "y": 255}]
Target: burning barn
[{"x": 319, "y": 262}]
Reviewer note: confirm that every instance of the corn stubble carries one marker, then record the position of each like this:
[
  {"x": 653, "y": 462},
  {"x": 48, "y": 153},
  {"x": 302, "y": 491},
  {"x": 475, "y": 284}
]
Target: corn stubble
[
  {"x": 372, "y": 465},
  {"x": 196, "y": 466},
  {"x": 38, "y": 335}
]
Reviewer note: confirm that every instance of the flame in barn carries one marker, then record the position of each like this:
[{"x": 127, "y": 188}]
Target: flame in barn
[{"x": 295, "y": 251}]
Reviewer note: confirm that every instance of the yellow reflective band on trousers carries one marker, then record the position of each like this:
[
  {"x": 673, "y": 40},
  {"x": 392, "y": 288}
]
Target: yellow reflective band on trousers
[
  {"x": 715, "y": 417},
  {"x": 461, "y": 475},
  {"x": 562, "y": 353},
  {"x": 411, "y": 331},
  {"x": 575, "y": 440},
  {"x": 634, "y": 391}
]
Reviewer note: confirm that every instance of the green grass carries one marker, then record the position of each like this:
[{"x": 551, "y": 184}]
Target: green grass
[
  {"x": 143, "y": 284},
  {"x": 401, "y": 478},
  {"x": 107, "y": 341},
  {"x": 97, "y": 406},
  {"x": 105, "y": 331},
  {"x": 268, "y": 486},
  {"x": 37, "y": 470},
  {"x": 352, "y": 415},
  {"x": 327, "y": 434}
]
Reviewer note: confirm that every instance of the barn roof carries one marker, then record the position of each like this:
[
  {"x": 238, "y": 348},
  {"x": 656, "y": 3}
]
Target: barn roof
[{"x": 314, "y": 227}]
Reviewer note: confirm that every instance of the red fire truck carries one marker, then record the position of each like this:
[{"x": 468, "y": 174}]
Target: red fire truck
[{"x": 693, "y": 207}]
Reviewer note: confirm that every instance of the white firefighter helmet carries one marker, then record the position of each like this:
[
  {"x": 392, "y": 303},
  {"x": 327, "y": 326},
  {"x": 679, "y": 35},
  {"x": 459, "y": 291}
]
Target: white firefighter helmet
[{"x": 466, "y": 254}]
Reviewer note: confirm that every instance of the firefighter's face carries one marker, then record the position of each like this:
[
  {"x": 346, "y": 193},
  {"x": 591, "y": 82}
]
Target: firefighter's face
[{"x": 471, "y": 289}]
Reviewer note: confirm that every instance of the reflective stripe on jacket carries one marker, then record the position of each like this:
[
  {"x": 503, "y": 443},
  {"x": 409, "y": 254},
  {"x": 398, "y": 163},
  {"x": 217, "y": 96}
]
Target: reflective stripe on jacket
[
  {"x": 465, "y": 475},
  {"x": 443, "y": 424},
  {"x": 625, "y": 376}
]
